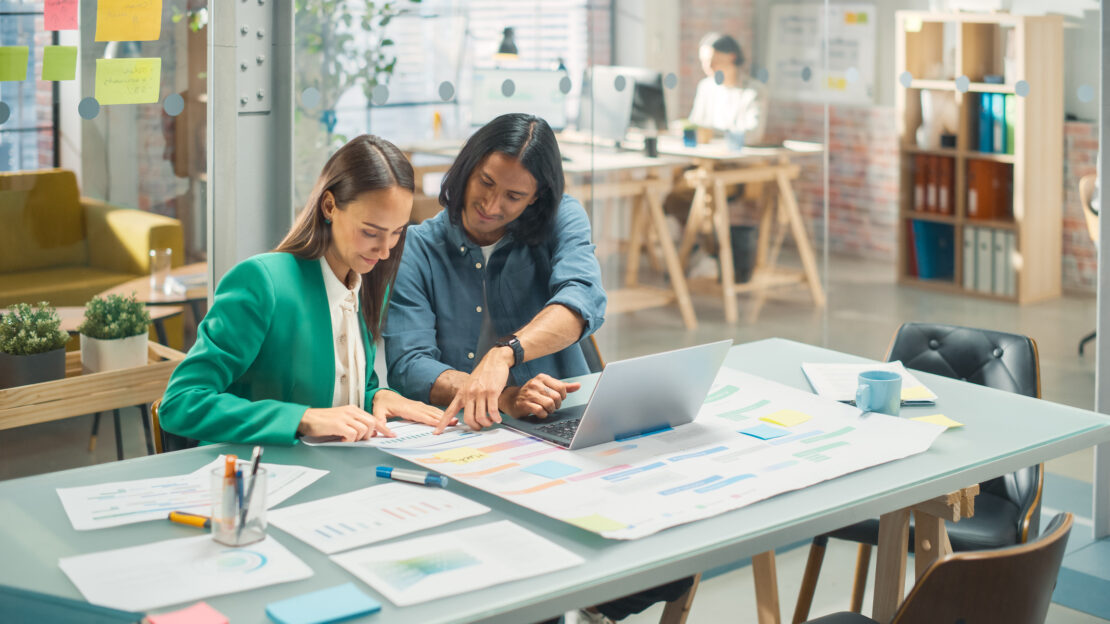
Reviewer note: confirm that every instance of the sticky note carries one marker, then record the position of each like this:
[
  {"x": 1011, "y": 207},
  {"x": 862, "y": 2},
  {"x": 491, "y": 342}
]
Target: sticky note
[
  {"x": 461, "y": 455},
  {"x": 786, "y": 418},
  {"x": 552, "y": 469},
  {"x": 939, "y": 419},
  {"x": 916, "y": 393},
  {"x": 59, "y": 14},
  {"x": 128, "y": 20},
  {"x": 913, "y": 24},
  {"x": 13, "y": 63},
  {"x": 200, "y": 613},
  {"x": 59, "y": 62},
  {"x": 326, "y": 605},
  {"x": 763, "y": 432},
  {"x": 128, "y": 80},
  {"x": 596, "y": 523}
]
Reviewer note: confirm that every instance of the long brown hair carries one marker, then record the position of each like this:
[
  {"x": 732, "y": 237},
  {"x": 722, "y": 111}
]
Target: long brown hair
[{"x": 365, "y": 163}]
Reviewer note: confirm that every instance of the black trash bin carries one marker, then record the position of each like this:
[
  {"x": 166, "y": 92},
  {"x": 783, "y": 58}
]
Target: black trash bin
[{"x": 744, "y": 242}]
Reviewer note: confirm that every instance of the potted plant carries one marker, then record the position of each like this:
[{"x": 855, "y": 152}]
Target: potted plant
[
  {"x": 32, "y": 345},
  {"x": 114, "y": 334}
]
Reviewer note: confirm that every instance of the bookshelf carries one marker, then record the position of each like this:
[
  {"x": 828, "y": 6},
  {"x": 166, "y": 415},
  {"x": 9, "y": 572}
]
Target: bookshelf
[{"x": 1008, "y": 197}]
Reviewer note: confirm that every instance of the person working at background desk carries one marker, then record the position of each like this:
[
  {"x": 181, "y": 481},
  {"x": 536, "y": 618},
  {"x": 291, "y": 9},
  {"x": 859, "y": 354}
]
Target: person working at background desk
[
  {"x": 281, "y": 353},
  {"x": 509, "y": 256}
]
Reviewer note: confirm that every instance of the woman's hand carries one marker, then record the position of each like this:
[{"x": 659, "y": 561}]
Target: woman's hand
[
  {"x": 389, "y": 404},
  {"x": 346, "y": 422},
  {"x": 477, "y": 397},
  {"x": 540, "y": 396}
]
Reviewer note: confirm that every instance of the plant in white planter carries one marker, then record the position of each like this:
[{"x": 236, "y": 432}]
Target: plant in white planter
[
  {"x": 114, "y": 334},
  {"x": 32, "y": 345}
]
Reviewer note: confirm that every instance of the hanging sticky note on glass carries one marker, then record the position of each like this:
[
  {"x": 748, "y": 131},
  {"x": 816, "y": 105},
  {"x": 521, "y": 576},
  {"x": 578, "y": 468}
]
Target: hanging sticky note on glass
[
  {"x": 13, "y": 62},
  {"x": 127, "y": 80},
  {"x": 59, "y": 14},
  {"x": 786, "y": 418},
  {"x": 59, "y": 62},
  {"x": 939, "y": 419},
  {"x": 128, "y": 20}
]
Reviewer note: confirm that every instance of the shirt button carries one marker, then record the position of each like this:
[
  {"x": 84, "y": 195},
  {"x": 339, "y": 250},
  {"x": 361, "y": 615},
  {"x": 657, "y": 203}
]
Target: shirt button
[
  {"x": 343, "y": 339},
  {"x": 462, "y": 249},
  {"x": 478, "y": 309},
  {"x": 343, "y": 377},
  {"x": 477, "y": 265},
  {"x": 470, "y": 356}
]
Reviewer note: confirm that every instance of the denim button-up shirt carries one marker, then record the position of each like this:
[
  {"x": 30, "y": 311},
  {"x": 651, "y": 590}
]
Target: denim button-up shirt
[{"x": 435, "y": 310}]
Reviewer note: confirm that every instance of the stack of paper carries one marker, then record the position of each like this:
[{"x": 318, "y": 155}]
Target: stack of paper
[{"x": 839, "y": 381}]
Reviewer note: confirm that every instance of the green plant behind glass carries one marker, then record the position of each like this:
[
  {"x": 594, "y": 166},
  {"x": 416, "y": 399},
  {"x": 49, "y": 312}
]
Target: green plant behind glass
[
  {"x": 27, "y": 330},
  {"x": 114, "y": 317}
]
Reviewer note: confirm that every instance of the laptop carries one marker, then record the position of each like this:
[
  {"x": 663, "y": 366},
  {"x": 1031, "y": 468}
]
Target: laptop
[{"x": 634, "y": 397}]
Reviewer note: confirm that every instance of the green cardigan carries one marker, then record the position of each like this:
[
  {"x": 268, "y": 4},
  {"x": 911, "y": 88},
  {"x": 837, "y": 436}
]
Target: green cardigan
[{"x": 264, "y": 354}]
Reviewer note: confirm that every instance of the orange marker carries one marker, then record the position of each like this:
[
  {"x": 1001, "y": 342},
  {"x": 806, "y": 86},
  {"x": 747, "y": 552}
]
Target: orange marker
[
  {"x": 191, "y": 519},
  {"x": 231, "y": 463}
]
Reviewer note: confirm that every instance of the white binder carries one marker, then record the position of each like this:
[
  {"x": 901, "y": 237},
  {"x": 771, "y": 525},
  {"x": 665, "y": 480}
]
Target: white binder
[
  {"x": 969, "y": 257},
  {"x": 1001, "y": 260},
  {"x": 1011, "y": 273},
  {"x": 984, "y": 261}
]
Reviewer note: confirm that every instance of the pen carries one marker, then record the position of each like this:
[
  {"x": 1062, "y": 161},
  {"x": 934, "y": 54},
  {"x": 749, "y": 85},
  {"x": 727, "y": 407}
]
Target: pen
[
  {"x": 256, "y": 457},
  {"x": 191, "y": 519},
  {"x": 228, "y": 508},
  {"x": 412, "y": 476}
]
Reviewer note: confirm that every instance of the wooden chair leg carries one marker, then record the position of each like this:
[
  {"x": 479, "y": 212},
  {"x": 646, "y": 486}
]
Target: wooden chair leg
[
  {"x": 859, "y": 584},
  {"x": 766, "y": 588},
  {"x": 677, "y": 610},
  {"x": 809, "y": 578}
]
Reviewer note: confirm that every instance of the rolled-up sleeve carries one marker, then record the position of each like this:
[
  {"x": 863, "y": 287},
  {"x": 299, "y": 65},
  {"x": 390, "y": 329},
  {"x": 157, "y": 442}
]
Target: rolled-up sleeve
[
  {"x": 411, "y": 354},
  {"x": 575, "y": 280}
]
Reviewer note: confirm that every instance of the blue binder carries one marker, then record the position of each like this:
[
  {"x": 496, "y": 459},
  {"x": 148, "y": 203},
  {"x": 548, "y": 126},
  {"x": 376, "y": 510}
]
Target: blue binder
[
  {"x": 986, "y": 122},
  {"x": 935, "y": 249}
]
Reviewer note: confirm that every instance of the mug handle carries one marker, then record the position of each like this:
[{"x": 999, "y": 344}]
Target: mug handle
[{"x": 863, "y": 397}]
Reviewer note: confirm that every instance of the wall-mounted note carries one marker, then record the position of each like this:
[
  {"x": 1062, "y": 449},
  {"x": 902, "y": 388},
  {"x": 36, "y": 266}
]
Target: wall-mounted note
[
  {"x": 128, "y": 80},
  {"x": 60, "y": 14},
  {"x": 128, "y": 20},
  {"x": 13, "y": 62},
  {"x": 59, "y": 62}
]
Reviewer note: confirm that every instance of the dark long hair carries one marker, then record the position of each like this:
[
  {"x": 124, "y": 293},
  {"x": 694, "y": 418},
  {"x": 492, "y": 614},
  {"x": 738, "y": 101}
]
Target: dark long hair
[
  {"x": 528, "y": 139},
  {"x": 365, "y": 163}
]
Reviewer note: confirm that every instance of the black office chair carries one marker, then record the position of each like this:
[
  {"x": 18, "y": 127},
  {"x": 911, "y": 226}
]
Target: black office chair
[
  {"x": 164, "y": 441},
  {"x": 1007, "y": 510},
  {"x": 1011, "y": 585},
  {"x": 592, "y": 354}
]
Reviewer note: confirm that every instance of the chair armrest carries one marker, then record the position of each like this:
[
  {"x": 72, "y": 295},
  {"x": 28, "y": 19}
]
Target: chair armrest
[{"x": 120, "y": 239}]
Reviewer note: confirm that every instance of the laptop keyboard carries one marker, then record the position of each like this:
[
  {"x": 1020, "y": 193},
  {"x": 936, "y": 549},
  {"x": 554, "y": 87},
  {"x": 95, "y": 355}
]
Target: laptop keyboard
[{"x": 563, "y": 429}]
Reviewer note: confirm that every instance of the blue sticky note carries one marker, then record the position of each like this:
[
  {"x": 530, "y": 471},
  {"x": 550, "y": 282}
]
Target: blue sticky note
[
  {"x": 327, "y": 605},
  {"x": 764, "y": 432},
  {"x": 551, "y": 469}
]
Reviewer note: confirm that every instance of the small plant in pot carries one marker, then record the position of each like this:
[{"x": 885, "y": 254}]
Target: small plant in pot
[
  {"x": 114, "y": 334},
  {"x": 32, "y": 345}
]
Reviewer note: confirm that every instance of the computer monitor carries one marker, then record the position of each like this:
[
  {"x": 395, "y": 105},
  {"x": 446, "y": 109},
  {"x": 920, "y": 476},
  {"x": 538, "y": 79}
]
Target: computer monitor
[
  {"x": 607, "y": 113},
  {"x": 535, "y": 92}
]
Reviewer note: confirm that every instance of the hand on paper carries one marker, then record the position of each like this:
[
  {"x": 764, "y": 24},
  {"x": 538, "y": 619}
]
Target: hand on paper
[
  {"x": 346, "y": 422},
  {"x": 540, "y": 396},
  {"x": 477, "y": 397},
  {"x": 389, "y": 404}
]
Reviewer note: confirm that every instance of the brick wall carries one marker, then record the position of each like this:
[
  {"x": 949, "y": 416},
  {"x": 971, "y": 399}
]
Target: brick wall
[{"x": 1080, "y": 255}]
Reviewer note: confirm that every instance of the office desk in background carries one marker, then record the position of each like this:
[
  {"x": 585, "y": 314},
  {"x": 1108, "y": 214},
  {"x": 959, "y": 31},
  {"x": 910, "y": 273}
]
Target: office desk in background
[{"x": 1002, "y": 432}]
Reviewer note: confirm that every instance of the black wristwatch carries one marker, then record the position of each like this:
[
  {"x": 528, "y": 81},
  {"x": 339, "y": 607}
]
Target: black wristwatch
[{"x": 513, "y": 343}]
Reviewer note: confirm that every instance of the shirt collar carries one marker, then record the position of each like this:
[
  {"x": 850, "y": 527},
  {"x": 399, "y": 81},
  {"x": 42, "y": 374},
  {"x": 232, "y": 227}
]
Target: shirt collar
[
  {"x": 457, "y": 237},
  {"x": 336, "y": 290}
]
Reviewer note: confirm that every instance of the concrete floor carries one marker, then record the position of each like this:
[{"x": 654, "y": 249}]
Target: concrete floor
[{"x": 865, "y": 308}]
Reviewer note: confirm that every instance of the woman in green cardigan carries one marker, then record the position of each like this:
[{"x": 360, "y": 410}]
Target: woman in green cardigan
[{"x": 287, "y": 348}]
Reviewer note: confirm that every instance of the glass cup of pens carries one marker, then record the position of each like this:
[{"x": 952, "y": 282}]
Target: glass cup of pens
[
  {"x": 238, "y": 504},
  {"x": 160, "y": 262}
]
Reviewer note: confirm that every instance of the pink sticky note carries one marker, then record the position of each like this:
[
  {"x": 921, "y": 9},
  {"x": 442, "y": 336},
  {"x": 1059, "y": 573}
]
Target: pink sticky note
[
  {"x": 60, "y": 14},
  {"x": 200, "y": 613}
]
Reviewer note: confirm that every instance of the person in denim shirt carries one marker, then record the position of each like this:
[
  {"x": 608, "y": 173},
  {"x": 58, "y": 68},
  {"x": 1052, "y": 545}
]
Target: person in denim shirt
[
  {"x": 494, "y": 293},
  {"x": 509, "y": 261}
]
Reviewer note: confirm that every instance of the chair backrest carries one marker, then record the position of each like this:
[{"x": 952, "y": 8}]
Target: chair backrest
[
  {"x": 1011, "y": 585},
  {"x": 592, "y": 354},
  {"x": 164, "y": 441},
  {"x": 989, "y": 358},
  {"x": 1086, "y": 195}
]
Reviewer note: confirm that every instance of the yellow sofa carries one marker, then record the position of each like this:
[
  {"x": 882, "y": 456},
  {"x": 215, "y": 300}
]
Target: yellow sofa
[{"x": 59, "y": 247}]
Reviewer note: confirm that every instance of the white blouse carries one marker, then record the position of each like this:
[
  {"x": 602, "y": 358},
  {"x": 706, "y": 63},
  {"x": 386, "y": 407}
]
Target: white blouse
[
  {"x": 736, "y": 109},
  {"x": 350, "y": 356}
]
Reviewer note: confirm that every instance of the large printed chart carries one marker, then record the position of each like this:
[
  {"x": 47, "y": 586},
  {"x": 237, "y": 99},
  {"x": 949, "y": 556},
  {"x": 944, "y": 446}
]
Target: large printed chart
[{"x": 753, "y": 439}]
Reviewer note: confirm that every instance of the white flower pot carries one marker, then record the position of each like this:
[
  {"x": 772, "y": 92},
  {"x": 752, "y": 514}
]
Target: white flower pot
[{"x": 105, "y": 355}]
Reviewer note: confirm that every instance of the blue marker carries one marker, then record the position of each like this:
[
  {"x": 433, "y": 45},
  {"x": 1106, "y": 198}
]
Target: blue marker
[{"x": 412, "y": 476}]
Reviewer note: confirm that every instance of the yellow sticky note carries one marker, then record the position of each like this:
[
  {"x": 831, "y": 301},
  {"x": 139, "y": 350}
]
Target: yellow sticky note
[
  {"x": 596, "y": 523},
  {"x": 916, "y": 393},
  {"x": 13, "y": 62},
  {"x": 461, "y": 456},
  {"x": 128, "y": 20},
  {"x": 786, "y": 418},
  {"x": 59, "y": 62},
  {"x": 939, "y": 419},
  {"x": 128, "y": 80},
  {"x": 913, "y": 24}
]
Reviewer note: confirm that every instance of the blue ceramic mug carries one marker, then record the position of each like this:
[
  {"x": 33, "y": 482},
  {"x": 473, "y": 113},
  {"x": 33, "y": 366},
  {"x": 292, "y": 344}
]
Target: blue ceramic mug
[{"x": 879, "y": 391}]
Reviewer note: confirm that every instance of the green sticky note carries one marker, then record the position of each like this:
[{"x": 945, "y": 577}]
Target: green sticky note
[
  {"x": 786, "y": 418},
  {"x": 596, "y": 523},
  {"x": 13, "y": 62},
  {"x": 128, "y": 80},
  {"x": 59, "y": 62}
]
